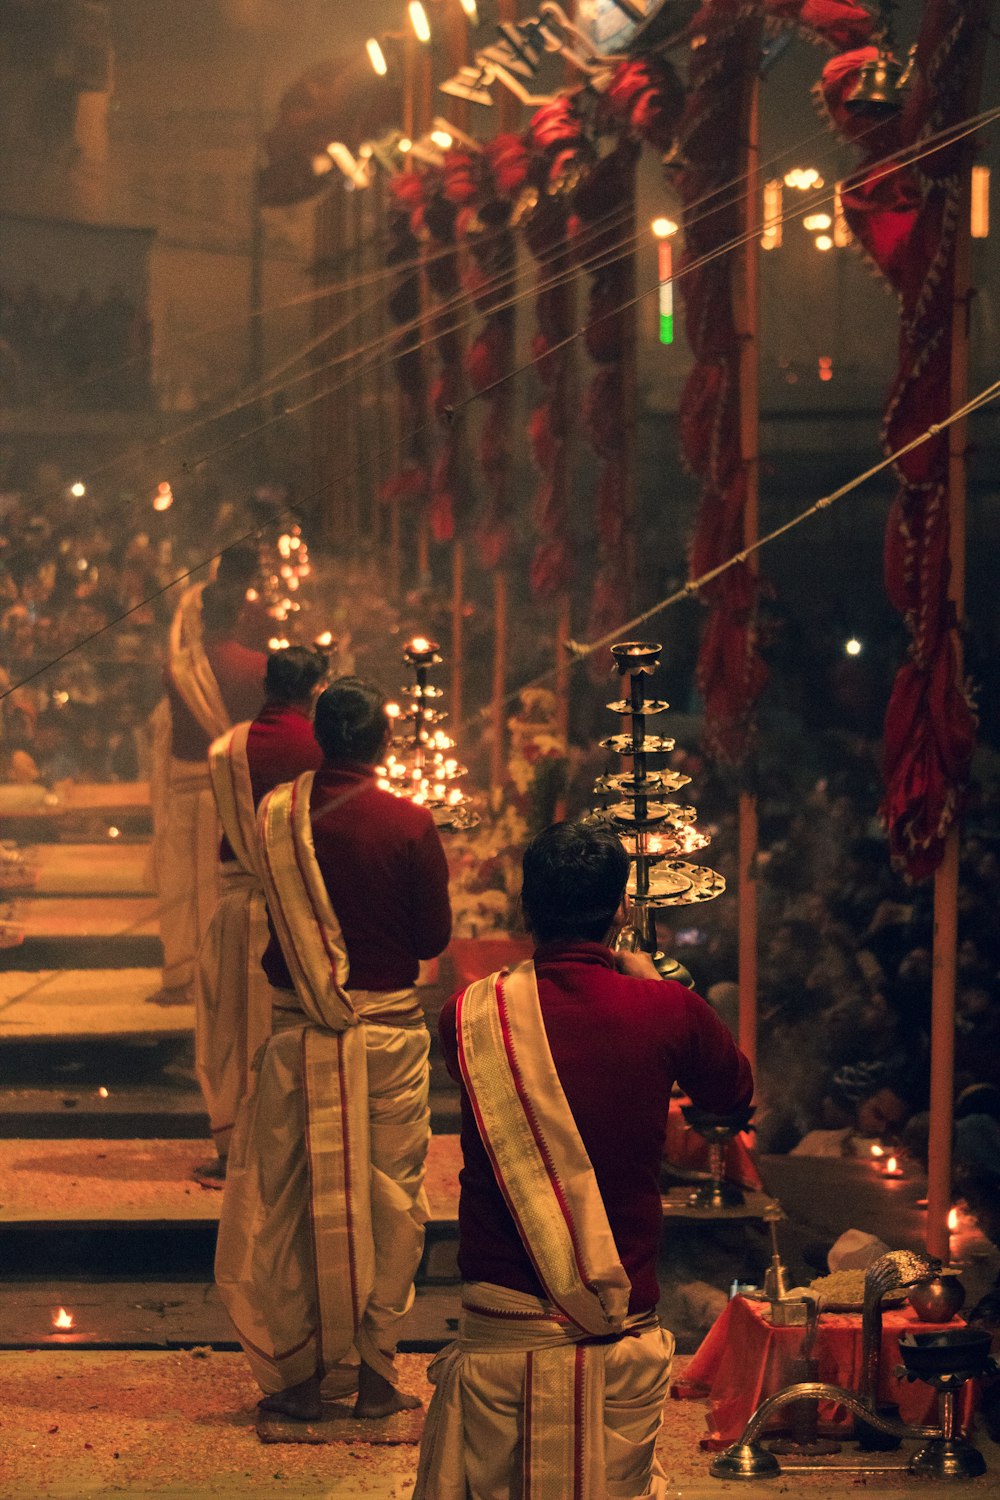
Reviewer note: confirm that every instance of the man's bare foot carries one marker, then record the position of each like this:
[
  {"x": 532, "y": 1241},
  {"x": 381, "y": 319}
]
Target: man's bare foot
[
  {"x": 180, "y": 994},
  {"x": 211, "y": 1174},
  {"x": 300, "y": 1402},
  {"x": 378, "y": 1398}
]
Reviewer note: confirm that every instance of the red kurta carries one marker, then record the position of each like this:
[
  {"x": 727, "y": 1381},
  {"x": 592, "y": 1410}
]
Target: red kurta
[
  {"x": 280, "y": 746},
  {"x": 240, "y": 675},
  {"x": 619, "y": 1045},
  {"x": 384, "y": 867}
]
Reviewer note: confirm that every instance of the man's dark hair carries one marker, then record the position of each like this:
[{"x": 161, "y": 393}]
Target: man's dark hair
[
  {"x": 574, "y": 878},
  {"x": 222, "y": 600},
  {"x": 293, "y": 672},
  {"x": 351, "y": 720},
  {"x": 239, "y": 565}
]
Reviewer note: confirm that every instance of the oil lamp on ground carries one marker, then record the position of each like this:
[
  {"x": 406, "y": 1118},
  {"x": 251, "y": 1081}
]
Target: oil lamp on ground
[
  {"x": 420, "y": 763},
  {"x": 658, "y": 834}
]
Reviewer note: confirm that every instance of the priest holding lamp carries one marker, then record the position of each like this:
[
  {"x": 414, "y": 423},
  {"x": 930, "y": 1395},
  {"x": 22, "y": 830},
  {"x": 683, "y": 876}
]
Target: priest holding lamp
[{"x": 555, "y": 1385}]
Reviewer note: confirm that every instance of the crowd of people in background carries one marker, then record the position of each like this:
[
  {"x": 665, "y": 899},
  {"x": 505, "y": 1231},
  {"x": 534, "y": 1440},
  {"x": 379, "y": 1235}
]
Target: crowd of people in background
[{"x": 83, "y": 350}]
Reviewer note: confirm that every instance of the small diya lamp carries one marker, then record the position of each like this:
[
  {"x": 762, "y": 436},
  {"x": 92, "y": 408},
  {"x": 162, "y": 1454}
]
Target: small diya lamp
[
  {"x": 891, "y": 1167},
  {"x": 636, "y": 656}
]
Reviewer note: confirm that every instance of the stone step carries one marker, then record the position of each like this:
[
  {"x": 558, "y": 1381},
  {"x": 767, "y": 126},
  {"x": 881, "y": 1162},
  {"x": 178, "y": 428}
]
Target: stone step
[
  {"x": 114, "y": 868},
  {"x": 168, "y": 1314},
  {"x": 146, "y": 1184},
  {"x": 87, "y": 1005},
  {"x": 84, "y": 810},
  {"x": 80, "y": 932}
]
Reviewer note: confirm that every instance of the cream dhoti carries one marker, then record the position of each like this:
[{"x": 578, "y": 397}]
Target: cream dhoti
[
  {"x": 185, "y": 854},
  {"x": 554, "y": 1399},
  {"x": 232, "y": 995},
  {"x": 322, "y": 1221},
  {"x": 525, "y": 1394}
]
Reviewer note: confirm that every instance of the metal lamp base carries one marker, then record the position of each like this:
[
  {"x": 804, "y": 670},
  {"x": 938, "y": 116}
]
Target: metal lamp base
[
  {"x": 717, "y": 1195},
  {"x": 745, "y": 1461},
  {"x": 948, "y": 1458}
]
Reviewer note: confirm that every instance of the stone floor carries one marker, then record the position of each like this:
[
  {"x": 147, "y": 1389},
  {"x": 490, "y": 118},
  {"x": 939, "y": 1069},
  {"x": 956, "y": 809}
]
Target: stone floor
[{"x": 76, "y": 1424}]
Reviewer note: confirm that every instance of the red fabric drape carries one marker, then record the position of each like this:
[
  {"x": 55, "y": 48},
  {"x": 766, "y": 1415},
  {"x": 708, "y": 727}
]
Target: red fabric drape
[
  {"x": 907, "y": 222},
  {"x": 409, "y": 482},
  {"x": 490, "y": 359},
  {"x": 605, "y": 208},
  {"x": 713, "y": 127}
]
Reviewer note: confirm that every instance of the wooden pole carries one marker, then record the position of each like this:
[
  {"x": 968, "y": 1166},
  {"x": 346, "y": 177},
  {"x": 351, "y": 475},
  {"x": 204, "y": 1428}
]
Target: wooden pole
[
  {"x": 563, "y": 627},
  {"x": 945, "y": 946},
  {"x": 457, "y": 628},
  {"x": 748, "y": 321},
  {"x": 498, "y": 706}
]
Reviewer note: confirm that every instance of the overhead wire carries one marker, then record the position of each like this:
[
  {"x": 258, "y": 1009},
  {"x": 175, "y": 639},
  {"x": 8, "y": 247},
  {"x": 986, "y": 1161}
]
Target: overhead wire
[
  {"x": 252, "y": 395},
  {"x": 942, "y": 138}
]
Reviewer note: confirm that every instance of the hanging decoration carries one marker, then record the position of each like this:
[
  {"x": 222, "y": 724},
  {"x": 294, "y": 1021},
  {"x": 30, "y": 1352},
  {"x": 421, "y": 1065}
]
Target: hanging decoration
[
  {"x": 557, "y": 142},
  {"x": 713, "y": 130},
  {"x": 447, "y": 482},
  {"x": 907, "y": 223},
  {"x": 490, "y": 360},
  {"x": 410, "y": 481}
]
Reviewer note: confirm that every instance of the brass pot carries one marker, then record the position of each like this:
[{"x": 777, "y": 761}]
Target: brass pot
[{"x": 937, "y": 1300}]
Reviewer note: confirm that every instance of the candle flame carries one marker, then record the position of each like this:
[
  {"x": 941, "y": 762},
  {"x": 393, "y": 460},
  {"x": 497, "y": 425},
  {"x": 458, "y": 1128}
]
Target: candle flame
[
  {"x": 877, "y": 1150},
  {"x": 891, "y": 1165},
  {"x": 953, "y": 1219},
  {"x": 62, "y": 1319}
]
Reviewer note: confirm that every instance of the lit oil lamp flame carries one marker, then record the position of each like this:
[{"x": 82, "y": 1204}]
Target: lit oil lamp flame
[
  {"x": 325, "y": 639},
  {"x": 952, "y": 1220},
  {"x": 420, "y": 644},
  {"x": 877, "y": 1151},
  {"x": 62, "y": 1319},
  {"x": 102, "y": 1092},
  {"x": 892, "y": 1167}
]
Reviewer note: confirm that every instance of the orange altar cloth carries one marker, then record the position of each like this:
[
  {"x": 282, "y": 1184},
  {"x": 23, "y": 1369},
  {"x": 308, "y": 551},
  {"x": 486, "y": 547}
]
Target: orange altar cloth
[{"x": 744, "y": 1358}]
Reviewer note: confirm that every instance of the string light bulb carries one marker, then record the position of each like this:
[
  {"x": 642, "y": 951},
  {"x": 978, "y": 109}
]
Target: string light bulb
[
  {"x": 376, "y": 56},
  {"x": 419, "y": 21}
]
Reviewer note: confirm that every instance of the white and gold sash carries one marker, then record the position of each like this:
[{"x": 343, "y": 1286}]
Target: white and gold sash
[
  {"x": 540, "y": 1163},
  {"x": 229, "y": 771},
  {"x": 189, "y": 667},
  {"x": 335, "y": 1071}
]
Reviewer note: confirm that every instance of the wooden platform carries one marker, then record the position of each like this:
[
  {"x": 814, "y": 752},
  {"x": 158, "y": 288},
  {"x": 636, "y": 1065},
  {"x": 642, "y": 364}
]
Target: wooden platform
[
  {"x": 82, "y": 1004},
  {"x": 110, "y": 869},
  {"x": 146, "y": 1183}
]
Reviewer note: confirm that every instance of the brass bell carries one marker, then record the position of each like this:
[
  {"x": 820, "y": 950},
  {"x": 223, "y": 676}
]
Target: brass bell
[{"x": 881, "y": 87}]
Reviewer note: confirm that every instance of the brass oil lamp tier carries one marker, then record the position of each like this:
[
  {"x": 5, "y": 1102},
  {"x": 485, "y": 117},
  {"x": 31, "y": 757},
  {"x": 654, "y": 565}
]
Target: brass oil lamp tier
[
  {"x": 420, "y": 763},
  {"x": 657, "y": 833}
]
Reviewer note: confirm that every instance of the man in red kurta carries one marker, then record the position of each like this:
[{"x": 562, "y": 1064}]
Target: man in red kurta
[
  {"x": 186, "y": 831},
  {"x": 359, "y": 895},
  {"x": 619, "y": 1037},
  {"x": 232, "y": 996}
]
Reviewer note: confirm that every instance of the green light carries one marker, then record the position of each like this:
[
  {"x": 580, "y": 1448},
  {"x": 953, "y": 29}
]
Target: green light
[{"x": 666, "y": 328}]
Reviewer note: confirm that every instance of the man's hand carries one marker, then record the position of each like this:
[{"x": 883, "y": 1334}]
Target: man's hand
[{"x": 636, "y": 966}]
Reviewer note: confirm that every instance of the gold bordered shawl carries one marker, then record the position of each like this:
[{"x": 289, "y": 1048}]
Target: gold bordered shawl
[
  {"x": 229, "y": 771},
  {"x": 539, "y": 1161},
  {"x": 189, "y": 667}
]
